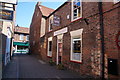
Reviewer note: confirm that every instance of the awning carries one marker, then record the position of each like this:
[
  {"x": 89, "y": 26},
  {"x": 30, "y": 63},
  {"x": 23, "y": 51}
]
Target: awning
[{"x": 21, "y": 43}]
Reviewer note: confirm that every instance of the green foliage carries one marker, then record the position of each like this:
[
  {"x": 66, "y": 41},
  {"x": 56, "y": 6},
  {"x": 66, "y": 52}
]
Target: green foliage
[
  {"x": 51, "y": 62},
  {"x": 60, "y": 67}
]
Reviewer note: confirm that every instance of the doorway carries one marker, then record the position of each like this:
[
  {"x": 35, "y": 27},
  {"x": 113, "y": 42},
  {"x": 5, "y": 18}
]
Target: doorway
[{"x": 59, "y": 51}]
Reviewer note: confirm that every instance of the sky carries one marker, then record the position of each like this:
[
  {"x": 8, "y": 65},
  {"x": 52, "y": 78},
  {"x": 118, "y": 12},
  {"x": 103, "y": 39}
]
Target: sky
[{"x": 25, "y": 10}]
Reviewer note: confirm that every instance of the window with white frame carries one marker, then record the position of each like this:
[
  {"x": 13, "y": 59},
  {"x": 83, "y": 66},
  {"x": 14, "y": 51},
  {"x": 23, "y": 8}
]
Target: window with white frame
[
  {"x": 76, "y": 48},
  {"x": 21, "y": 36},
  {"x": 50, "y": 23},
  {"x": 76, "y": 9},
  {"x": 76, "y": 45},
  {"x": 27, "y": 37},
  {"x": 43, "y": 23},
  {"x": 49, "y": 47}
]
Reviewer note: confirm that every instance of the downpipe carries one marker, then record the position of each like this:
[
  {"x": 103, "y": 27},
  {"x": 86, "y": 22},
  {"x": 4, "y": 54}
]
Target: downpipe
[{"x": 100, "y": 7}]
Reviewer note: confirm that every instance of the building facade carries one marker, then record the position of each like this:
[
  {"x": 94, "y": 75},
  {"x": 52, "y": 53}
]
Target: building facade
[
  {"x": 7, "y": 22},
  {"x": 79, "y": 35},
  {"x": 7, "y": 31},
  {"x": 21, "y": 40},
  {"x": 36, "y": 31}
]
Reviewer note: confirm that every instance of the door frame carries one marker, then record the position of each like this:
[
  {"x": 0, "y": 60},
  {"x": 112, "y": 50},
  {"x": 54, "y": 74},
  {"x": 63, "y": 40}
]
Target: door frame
[{"x": 59, "y": 37}]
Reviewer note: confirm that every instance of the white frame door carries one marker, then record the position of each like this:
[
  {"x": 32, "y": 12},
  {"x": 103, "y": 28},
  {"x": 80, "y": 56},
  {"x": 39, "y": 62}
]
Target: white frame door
[{"x": 59, "y": 40}]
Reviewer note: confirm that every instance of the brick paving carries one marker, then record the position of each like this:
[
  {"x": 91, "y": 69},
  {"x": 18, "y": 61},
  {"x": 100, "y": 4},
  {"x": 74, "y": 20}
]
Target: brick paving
[{"x": 28, "y": 66}]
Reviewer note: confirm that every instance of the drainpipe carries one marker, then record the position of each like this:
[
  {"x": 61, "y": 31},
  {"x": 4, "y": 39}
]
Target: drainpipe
[{"x": 102, "y": 39}]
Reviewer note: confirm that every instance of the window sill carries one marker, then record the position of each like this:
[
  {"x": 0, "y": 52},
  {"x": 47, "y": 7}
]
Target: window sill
[
  {"x": 76, "y": 19},
  {"x": 50, "y": 31},
  {"x": 80, "y": 62},
  {"x": 49, "y": 56}
]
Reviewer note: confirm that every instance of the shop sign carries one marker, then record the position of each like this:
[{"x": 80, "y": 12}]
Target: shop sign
[
  {"x": 9, "y": 1},
  {"x": 56, "y": 20},
  {"x": 118, "y": 39},
  {"x": 6, "y": 15},
  {"x": 61, "y": 31}
]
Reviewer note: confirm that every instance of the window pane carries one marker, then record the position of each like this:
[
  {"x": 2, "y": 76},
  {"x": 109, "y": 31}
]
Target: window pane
[
  {"x": 76, "y": 49},
  {"x": 27, "y": 37},
  {"x": 76, "y": 56},
  {"x": 50, "y": 45},
  {"x": 75, "y": 13},
  {"x": 76, "y": 46},
  {"x": 79, "y": 12},
  {"x": 51, "y": 22},
  {"x": 21, "y": 37},
  {"x": 76, "y": 9},
  {"x": 78, "y": 3}
]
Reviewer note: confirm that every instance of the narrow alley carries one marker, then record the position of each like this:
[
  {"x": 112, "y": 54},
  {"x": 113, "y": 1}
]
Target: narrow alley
[
  {"x": 27, "y": 66},
  {"x": 60, "y": 39}
]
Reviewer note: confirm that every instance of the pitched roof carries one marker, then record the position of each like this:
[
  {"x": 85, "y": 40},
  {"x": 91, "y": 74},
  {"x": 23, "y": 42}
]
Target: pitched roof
[
  {"x": 58, "y": 8},
  {"x": 45, "y": 10}
]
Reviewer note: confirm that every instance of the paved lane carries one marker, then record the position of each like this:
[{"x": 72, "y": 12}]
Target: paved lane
[{"x": 28, "y": 66}]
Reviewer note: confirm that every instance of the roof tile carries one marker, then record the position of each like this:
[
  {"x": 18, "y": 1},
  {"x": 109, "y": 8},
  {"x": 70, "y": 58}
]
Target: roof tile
[{"x": 45, "y": 10}]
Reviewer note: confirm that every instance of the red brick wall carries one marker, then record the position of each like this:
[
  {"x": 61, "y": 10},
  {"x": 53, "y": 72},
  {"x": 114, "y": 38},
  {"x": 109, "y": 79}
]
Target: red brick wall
[
  {"x": 111, "y": 29},
  {"x": 35, "y": 31},
  {"x": 111, "y": 25},
  {"x": 21, "y": 29},
  {"x": 91, "y": 38}
]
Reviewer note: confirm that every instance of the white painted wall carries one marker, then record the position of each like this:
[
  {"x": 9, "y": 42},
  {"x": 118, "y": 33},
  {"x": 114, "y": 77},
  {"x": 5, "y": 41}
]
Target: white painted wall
[
  {"x": 5, "y": 26},
  {"x": 8, "y": 30}
]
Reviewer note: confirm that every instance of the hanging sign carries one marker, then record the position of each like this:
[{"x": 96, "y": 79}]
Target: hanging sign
[
  {"x": 118, "y": 39},
  {"x": 6, "y": 15},
  {"x": 56, "y": 20}
]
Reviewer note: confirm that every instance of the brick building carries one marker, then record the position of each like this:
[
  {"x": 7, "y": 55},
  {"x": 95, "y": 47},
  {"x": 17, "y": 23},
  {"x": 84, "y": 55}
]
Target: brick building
[
  {"x": 36, "y": 31},
  {"x": 79, "y": 36},
  {"x": 21, "y": 39}
]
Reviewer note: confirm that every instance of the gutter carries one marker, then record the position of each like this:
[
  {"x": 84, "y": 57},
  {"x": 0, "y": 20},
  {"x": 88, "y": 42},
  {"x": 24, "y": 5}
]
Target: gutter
[
  {"x": 44, "y": 16},
  {"x": 100, "y": 7}
]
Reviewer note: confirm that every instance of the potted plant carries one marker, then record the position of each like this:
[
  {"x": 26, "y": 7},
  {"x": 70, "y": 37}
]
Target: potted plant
[
  {"x": 51, "y": 62},
  {"x": 60, "y": 67}
]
